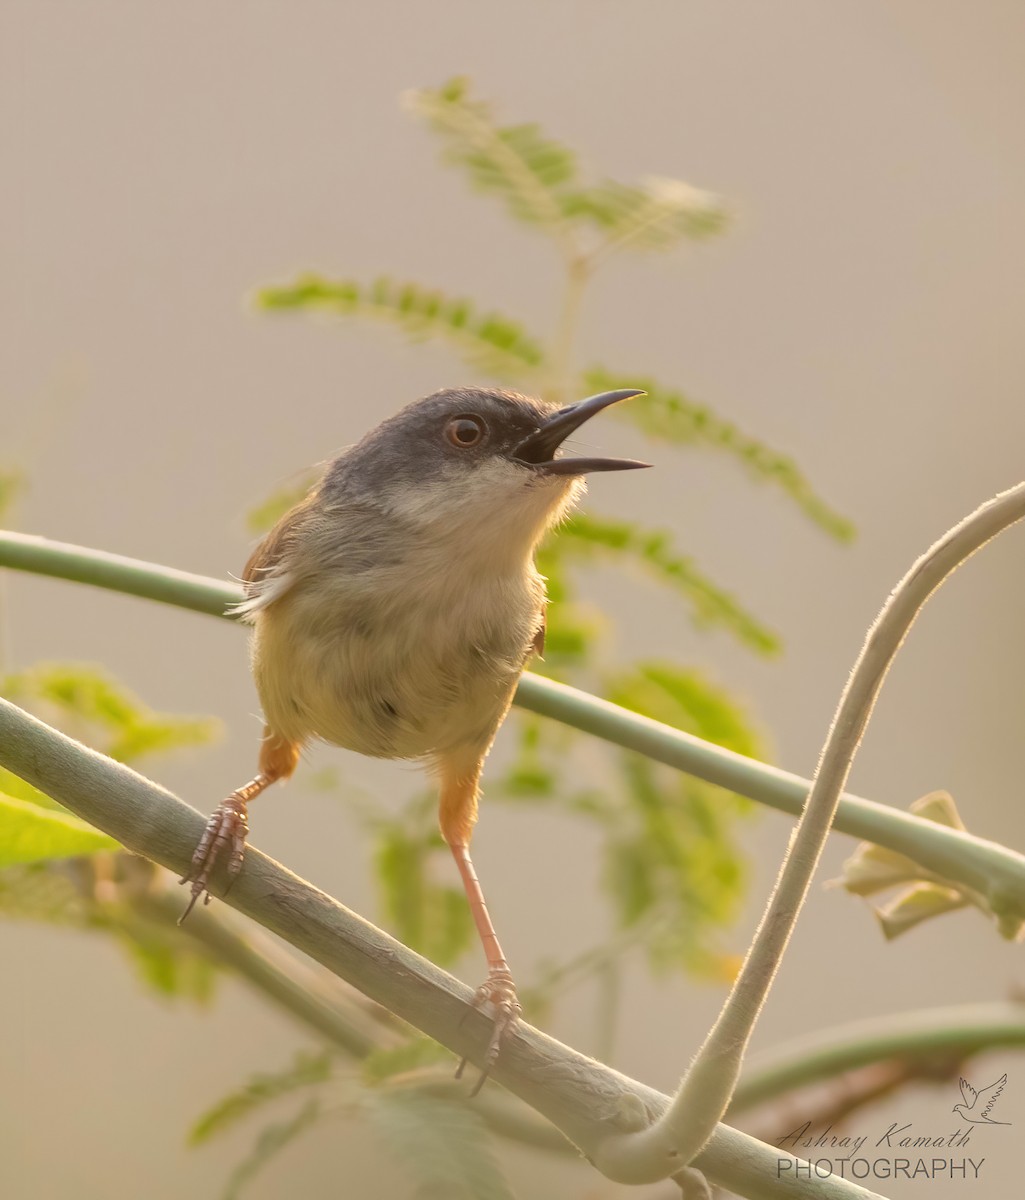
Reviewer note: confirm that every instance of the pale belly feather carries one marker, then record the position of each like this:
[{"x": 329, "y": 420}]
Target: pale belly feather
[{"x": 406, "y": 673}]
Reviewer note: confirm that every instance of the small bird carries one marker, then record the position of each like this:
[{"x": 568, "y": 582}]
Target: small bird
[
  {"x": 395, "y": 607},
  {"x": 978, "y": 1104}
]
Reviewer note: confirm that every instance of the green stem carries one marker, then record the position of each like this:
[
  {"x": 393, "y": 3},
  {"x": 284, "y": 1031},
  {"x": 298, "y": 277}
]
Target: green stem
[
  {"x": 589, "y": 1102},
  {"x": 962, "y": 1030},
  {"x": 978, "y": 864}
]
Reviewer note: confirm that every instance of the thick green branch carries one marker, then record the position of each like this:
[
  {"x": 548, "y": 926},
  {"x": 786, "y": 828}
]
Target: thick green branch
[
  {"x": 981, "y": 865},
  {"x": 587, "y": 1101}
]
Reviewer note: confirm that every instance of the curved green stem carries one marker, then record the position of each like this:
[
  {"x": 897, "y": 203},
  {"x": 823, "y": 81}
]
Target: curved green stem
[
  {"x": 983, "y": 866},
  {"x": 708, "y": 1085}
]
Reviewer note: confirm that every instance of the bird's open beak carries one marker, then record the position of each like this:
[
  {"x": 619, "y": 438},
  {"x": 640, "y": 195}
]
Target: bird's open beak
[{"x": 538, "y": 450}]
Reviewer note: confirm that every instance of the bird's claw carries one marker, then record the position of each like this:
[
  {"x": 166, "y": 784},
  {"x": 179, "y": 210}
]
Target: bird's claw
[
  {"x": 497, "y": 996},
  {"x": 227, "y": 828}
]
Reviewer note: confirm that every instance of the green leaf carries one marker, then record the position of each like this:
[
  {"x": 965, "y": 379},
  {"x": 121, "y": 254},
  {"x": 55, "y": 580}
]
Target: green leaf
[
  {"x": 271, "y": 1142},
  {"x": 651, "y": 215},
  {"x": 487, "y": 342},
  {"x": 445, "y": 1146},
  {"x": 308, "y": 1070},
  {"x": 586, "y": 537},
  {"x": 669, "y": 416},
  {"x": 114, "y": 719},
  {"x": 517, "y": 162},
  {"x": 432, "y": 918},
  {"x": 29, "y": 833}
]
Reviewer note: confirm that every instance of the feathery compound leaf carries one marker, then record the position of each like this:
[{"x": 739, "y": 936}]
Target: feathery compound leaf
[
  {"x": 308, "y": 1070},
  {"x": 489, "y": 342},
  {"x": 123, "y": 727},
  {"x": 651, "y": 215},
  {"x": 671, "y": 417},
  {"x": 517, "y": 162},
  {"x": 586, "y": 536},
  {"x": 444, "y": 1146}
]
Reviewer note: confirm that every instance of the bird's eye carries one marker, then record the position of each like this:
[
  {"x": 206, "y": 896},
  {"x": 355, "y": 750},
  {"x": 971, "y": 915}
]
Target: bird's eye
[{"x": 466, "y": 431}]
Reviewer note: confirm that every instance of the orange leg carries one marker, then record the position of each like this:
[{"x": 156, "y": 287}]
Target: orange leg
[
  {"x": 227, "y": 828},
  {"x": 458, "y": 814}
]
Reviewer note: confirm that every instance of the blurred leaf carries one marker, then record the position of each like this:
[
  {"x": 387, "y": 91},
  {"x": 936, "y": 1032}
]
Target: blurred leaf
[
  {"x": 517, "y": 162},
  {"x": 308, "y": 1070},
  {"x": 489, "y": 343},
  {"x": 168, "y": 964},
  {"x": 586, "y": 537},
  {"x": 433, "y": 919},
  {"x": 670, "y": 417},
  {"x": 386, "y": 1062},
  {"x": 445, "y": 1147},
  {"x": 29, "y": 833},
  {"x": 271, "y": 1141},
  {"x": 41, "y": 891},
  {"x": 12, "y": 484},
  {"x": 687, "y": 700},
  {"x": 266, "y": 514},
  {"x": 920, "y": 903},
  {"x": 873, "y": 868},
  {"x": 672, "y": 852},
  {"x": 122, "y": 726},
  {"x": 651, "y": 215}
]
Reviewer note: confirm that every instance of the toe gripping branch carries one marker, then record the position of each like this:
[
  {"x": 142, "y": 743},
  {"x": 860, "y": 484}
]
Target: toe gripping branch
[
  {"x": 497, "y": 994},
  {"x": 225, "y": 832}
]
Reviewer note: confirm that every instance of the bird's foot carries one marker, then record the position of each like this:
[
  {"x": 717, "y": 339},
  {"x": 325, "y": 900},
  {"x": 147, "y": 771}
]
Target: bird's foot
[
  {"x": 226, "y": 830},
  {"x": 496, "y": 997}
]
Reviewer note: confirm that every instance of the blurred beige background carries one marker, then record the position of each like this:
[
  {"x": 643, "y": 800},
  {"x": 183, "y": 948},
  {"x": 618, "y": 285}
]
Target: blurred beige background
[{"x": 865, "y": 315}]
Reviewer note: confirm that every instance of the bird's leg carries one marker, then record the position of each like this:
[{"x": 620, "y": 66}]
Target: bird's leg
[
  {"x": 227, "y": 828},
  {"x": 497, "y": 995}
]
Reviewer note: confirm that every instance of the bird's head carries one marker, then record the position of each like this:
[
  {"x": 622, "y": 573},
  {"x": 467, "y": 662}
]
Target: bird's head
[{"x": 477, "y": 463}]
